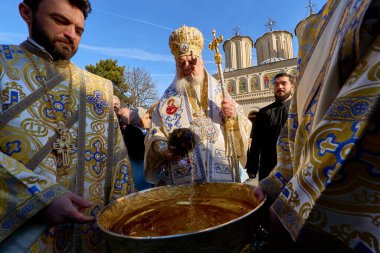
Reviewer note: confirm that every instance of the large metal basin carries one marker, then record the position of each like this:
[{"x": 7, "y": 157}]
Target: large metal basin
[{"x": 230, "y": 237}]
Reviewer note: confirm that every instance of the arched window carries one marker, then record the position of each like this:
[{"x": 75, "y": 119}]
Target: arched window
[
  {"x": 248, "y": 55},
  {"x": 238, "y": 54},
  {"x": 269, "y": 53},
  {"x": 231, "y": 87},
  {"x": 293, "y": 72},
  {"x": 243, "y": 88},
  {"x": 266, "y": 82},
  {"x": 227, "y": 54},
  {"x": 233, "y": 55},
  {"x": 255, "y": 83},
  {"x": 286, "y": 51},
  {"x": 278, "y": 44}
]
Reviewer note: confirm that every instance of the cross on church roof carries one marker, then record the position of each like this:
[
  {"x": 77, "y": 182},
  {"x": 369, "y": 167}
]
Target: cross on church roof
[
  {"x": 236, "y": 30},
  {"x": 311, "y": 8},
  {"x": 270, "y": 24}
]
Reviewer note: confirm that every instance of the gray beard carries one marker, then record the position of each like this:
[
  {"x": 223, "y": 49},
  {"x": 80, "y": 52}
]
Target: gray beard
[{"x": 186, "y": 82}]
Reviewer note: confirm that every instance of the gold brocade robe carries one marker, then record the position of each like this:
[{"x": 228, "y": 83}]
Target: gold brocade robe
[
  {"x": 212, "y": 153},
  {"x": 326, "y": 183},
  {"x": 32, "y": 176}
]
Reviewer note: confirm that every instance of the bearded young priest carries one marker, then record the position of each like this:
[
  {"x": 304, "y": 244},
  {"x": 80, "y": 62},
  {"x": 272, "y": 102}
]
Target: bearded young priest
[
  {"x": 62, "y": 154},
  {"x": 262, "y": 156}
]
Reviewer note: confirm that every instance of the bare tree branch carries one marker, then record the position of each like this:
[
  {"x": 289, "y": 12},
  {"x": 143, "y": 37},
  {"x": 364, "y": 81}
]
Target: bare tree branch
[{"x": 142, "y": 89}]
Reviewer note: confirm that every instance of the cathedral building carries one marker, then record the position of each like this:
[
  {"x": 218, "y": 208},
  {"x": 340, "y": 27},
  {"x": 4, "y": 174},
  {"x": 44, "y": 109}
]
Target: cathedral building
[{"x": 252, "y": 86}]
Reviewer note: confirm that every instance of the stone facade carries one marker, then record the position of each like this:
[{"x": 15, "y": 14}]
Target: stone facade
[{"x": 252, "y": 87}]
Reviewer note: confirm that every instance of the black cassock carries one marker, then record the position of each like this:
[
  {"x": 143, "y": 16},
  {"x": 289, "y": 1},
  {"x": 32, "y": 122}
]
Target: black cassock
[{"x": 262, "y": 155}]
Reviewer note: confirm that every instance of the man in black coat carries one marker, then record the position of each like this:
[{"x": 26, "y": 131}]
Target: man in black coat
[{"x": 262, "y": 155}]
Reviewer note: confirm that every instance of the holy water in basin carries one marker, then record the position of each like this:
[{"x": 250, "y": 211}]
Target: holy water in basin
[
  {"x": 224, "y": 219},
  {"x": 179, "y": 216}
]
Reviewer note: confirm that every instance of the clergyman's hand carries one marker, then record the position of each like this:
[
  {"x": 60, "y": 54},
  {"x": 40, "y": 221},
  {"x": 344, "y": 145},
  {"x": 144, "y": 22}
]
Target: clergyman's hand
[
  {"x": 259, "y": 193},
  {"x": 170, "y": 155},
  {"x": 228, "y": 108},
  {"x": 67, "y": 208}
]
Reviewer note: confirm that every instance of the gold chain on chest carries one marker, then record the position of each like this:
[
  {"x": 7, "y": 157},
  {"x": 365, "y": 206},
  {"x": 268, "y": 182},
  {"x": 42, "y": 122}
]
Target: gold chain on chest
[
  {"x": 201, "y": 123},
  {"x": 199, "y": 107}
]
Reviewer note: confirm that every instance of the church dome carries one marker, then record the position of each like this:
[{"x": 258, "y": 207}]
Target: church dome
[
  {"x": 238, "y": 52},
  {"x": 273, "y": 59},
  {"x": 274, "y": 46}
]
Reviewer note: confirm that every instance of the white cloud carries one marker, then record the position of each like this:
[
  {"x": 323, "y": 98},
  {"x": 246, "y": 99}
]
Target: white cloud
[
  {"x": 135, "y": 19},
  {"x": 131, "y": 53},
  {"x": 12, "y": 38}
]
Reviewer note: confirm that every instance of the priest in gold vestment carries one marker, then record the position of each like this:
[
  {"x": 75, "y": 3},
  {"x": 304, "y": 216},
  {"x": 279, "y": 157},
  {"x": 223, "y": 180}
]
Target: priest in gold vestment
[
  {"x": 194, "y": 100},
  {"x": 326, "y": 186},
  {"x": 62, "y": 154}
]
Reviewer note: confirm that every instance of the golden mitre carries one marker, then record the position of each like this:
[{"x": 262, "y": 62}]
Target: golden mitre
[{"x": 186, "y": 41}]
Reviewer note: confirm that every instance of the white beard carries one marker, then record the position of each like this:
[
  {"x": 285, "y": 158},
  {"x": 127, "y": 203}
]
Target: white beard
[{"x": 189, "y": 81}]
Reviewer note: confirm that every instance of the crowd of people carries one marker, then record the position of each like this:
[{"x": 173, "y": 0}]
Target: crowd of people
[
  {"x": 134, "y": 124},
  {"x": 68, "y": 148}
]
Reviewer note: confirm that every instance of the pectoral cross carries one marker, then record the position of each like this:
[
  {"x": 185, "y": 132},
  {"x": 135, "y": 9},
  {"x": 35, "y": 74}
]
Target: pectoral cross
[{"x": 63, "y": 145}]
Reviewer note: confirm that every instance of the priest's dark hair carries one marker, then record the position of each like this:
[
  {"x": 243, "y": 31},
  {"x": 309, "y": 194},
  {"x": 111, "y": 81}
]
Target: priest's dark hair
[
  {"x": 83, "y": 5},
  {"x": 292, "y": 79}
]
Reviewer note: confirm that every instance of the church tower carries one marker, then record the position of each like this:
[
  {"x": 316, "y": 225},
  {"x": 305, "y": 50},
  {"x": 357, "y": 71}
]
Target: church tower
[
  {"x": 238, "y": 52},
  {"x": 300, "y": 28},
  {"x": 274, "y": 46}
]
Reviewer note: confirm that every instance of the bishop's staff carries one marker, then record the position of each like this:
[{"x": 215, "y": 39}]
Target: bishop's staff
[{"x": 214, "y": 45}]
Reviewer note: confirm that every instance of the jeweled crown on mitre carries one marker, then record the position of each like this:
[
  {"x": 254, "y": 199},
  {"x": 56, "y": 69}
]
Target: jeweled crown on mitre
[{"x": 186, "y": 41}]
